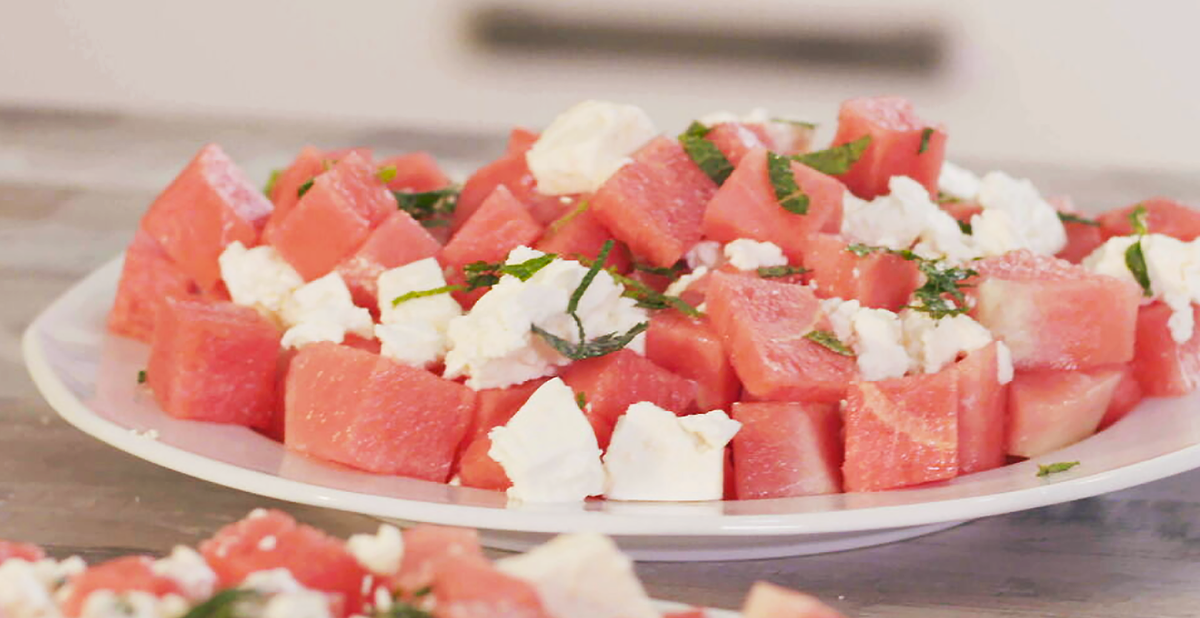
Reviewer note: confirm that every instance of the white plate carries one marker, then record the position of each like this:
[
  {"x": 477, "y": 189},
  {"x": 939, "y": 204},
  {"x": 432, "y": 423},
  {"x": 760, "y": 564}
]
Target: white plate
[{"x": 90, "y": 378}]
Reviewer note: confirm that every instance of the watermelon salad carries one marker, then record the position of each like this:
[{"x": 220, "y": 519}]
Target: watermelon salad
[
  {"x": 270, "y": 566},
  {"x": 607, "y": 311}
]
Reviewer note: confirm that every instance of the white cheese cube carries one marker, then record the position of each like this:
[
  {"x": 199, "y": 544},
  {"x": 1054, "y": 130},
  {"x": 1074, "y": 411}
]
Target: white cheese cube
[
  {"x": 380, "y": 553},
  {"x": 323, "y": 310},
  {"x": 958, "y": 182},
  {"x": 747, "y": 254},
  {"x": 1036, "y": 222},
  {"x": 258, "y": 278},
  {"x": 1173, "y": 267},
  {"x": 935, "y": 344},
  {"x": 414, "y": 331},
  {"x": 587, "y": 144},
  {"x": 875, "y": 335}
]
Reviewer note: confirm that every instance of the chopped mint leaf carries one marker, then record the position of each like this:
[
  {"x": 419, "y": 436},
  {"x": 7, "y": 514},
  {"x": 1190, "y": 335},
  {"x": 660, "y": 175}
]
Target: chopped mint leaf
[
  {"x": 401, "y": 609},
  {"x": 946, "y": 198},
  {"x": 940, "y": 281},
  {"x": 862, "y": 250},
  {"x": 829, "y": 341},
  {"x": 272, "y": 180},
  {"x": 649, "y": 298},
  {"x": 304, "y": 188},
  {"x": 965, "y": 226},
  {"x": 768, "y": 272},
  {"x": 581, "y": 399},
  {"x": 811, "y": 126},
  {"x": 141, "y": 377},
  {"x": 445, "y": 289},
  {"x": 484, "y": 274},
  {"x": 1137, "y": 218},
  {"x": 600, "y": 346},
  {"x": 789, "y": 194},
  {"x": 1067, "y": 217},
  {"x": 434, "y": 222},
  {"x": 562, "y": 221},
  {"x": 926, "y": 133},
  {"x": 584, "y": 283},
  {"x": 670, "y": 272},
  {"x": 223, "y": 604},
  {"x": 1054, "y": 468},
  {"x": 1135, "y": 261},
  {"x": 386, "y": 174},
  {"x": 423, "y": 592},
  {"x": 705, "y": 154},
  {"x": 428, "y": 205},
  {"x": 836, "y": 160}
]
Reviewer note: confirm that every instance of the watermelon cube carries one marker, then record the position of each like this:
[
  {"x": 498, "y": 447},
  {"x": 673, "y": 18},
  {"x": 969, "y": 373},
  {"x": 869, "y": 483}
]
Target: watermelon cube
[
  {"x": 616, "y": 381},
  {"x": 1163, "y": 216},
  {"x": 495, "y": 407},
  {"x": 690, "y": 347},
  {"x": 1164, "y": 367},
  {"x": 477, "y": 469},
  {"x": 396, "y": 242},
  {"x": 148, "y": 279},
  {"x": 511, "y": 172},
  {"x": 501, "y": 224},
  {"x": 1049, "y": 410},
  {"x": 1082, "y": 239},
  {"x": 1126, "y": 397},
  {"x": 310, "y": 163},
  {"x": 901, "y": 145},
  {"x": 20, "y": 551},
  {"x": 901, "y": 432},
  {"x": 787, "y": 449},
  {"x": 655, "y": 204},
  {"x": 770, "y": 601},
  {"x": 315, "y": 559},
  {"x": 425, "y": 547},
  {"x": 128, "y": 574},
  {"x": 520, "y": 140},
  {"x": 208, "y": 206},
  {"x": 746, "y": 207},
  {"x": 878, "y": 280},
  {"x": 579, "y": 234},
  {"x": 374, "y": 413},
  {"x": 736, "y": 139},
  {"x": 470, "y": 587},
  {"x": 763, "y": 326},
  {"x": 1056, "y": 315},
  {"x": 961, "y": 210},
  {"x": 214, "y": 362},
  {"x": 415, "y": 171},
  {"x": 982, "y": 411}
]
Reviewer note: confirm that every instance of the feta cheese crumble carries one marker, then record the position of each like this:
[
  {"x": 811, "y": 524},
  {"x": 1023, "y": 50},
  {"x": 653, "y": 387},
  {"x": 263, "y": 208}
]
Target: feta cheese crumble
[
  {"x": 132, "y": 604},
  {"x": 655, "y": 455},
  {"x": 414, "y": 331},
  {"x": 587, "y": 144},
  {"x": 958, "y": 182},
  {"x": 380, "y": 553},
  {"x": 747, "y": 254},
  {"x": 493, "y": 344},
  {"x": 875, "y": 335},
  {"x": 935, "y": 344},
  {"x": 1174, "y": 269},
  {"x": 582, "y": 576},
  {"x": 1036, "y": 221},
  {"x": 272, "y": 581},
  {"x": 706, "y": 253},
  {"x": 258, "y": 278},
  {"x": 680, "y": 285},
  {"x": 322, "y": 310},
  {"x": 189, "y": 570},
  {"x": 299, "y": 604},
  {"x": 548, "y": 449},
  {"x": 904, "y": 218}
]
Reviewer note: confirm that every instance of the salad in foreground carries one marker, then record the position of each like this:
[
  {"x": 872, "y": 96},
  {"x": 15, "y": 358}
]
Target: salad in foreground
[
  {"x": 270, "y": 566},
  {"x": 606, "y": 311}
]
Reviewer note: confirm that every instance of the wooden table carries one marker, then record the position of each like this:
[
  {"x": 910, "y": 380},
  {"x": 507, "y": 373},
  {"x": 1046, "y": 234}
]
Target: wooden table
[{"x": 72, "y": 187}]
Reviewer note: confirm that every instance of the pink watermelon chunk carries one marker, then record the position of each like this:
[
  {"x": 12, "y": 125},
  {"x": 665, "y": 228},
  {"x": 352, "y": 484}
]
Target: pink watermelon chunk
[
  {"x": 470, "y": 587},
  {"x": 736, "y": 139},
  {"x": 495, "y": 407},
  {"x": 879, "y": 280},
  {"x": 770, "y": 601},
  {"x": 982, "y": 411},
  {"x": 501, "y": 225},
  {"x": 520, "y": 140},
  {"x": 214, "y": 362},
  {"x": 961, "y": 210},
  {"x": 148, "y": 279},
  {"x": 616, "y": 381},
  {"x": 374, "y": 413},
  {"x": 1163, "y": 216},
  {"x": 477, "y": 469},
  {"x": 690, "y": 347},
  {"x": 208, "y": 206},
  {"x": 1162, "y": 366},
  {"x": 579, "y": 234},
  {"x": 1126, "y": 397},
  {"x": 317, "y": 560},
  {"x": 897, "y": 135},
  {"x": 1054, "y": 314},
  {"x": 425, "y": 547},
  {"x": 416, "y": 172},
  {"x": 20, "y": 551},
  {"x": 511, "y": 172},
  {"x": 310, "y": 163},
  {"x": 396, "y": 242},
  {"x": 121, "y": 575},
  {"x": 787, "y": 449},
  {"x": 746, "y": 207},
  {"x": 901, "y": 432},
  {"x": 655, "y": 204},
  {"x": 1082, "y": 239},
  {"x": 762, "y": 325},
  {"x": 1049, "y": 410}
]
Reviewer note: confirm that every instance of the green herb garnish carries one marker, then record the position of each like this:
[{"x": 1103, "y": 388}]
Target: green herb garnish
[
  {"x": 940, "y": 281},
  {"x": 1137, "y": 219},
  {"x": 428, "y": 205},
  {"x": 670, "y": 272},
  {"x": 835, "y": 160},
  {"x": 581, "y": 399},
  {"x": 649, "y": 298},
  {"x": 965, "y": 226},
  {"x": 304, "y": 188},
  {"x": 705, "y": 154},
  {"x": 562, "y": 221},
  {"x": 485, "y": 274},
  {"x": 584, "y": 283},
  {"x": 1135, "y": 259},
  {"x": 600, "y": 346},
  {"x": 926, "y": 133},
  {"x": 1067, "y": 217},
  {"x": 141, "y": 377},
  {"x": 789, "y": 194},
  {"x": 946, "y": 198},
  {"x": 1054, "y": 468},
  {"x": 272, "y": 180},
  {"x": 400, "y": 609},
  {"x": 223, "y": 604},
  {"x": 829, "y": 341},
  {"x": 769, "y": 272},
  {"x": 445, "y": 289},
  {"x": 386, "y": 174}
]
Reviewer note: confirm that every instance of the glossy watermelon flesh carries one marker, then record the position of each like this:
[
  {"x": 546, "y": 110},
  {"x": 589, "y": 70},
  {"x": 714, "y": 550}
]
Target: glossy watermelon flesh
[
  {"x": 901, "y": 432},
  {"x": 787, "y": 449},
  {"x": 425, "y": 547},
  {"x": 374, "y": 413},
  {"x": 415, "y": 171},
  {"x": 613, "y": 382},
  {"x": 655, "y": 204},
  {"x": 896, "y": 134},
  {"x": 520, "y": 140},
  {"x": 579, "y": 234},
  {"x": 501, "y": 224},
  {"x": 770, "y": 601},
  {"x": 477, "y": 469},
  {"x": 1082, "y": 239},
  {"x": 1049, "y": 410},
  {"x": 121, "y": 575},
  {"x": 397, "y": 241},
  {"x": 148, "y": 279},
  {"x": 736, "y": 139},
  {"x": 310, "y": 163},
  {"x": 208, "y": 206},
  {"x": 1163, "y": 216},
  {"x": 511, "y": 172},
  {"x": 495, "y": 407},
  {"x": 879, "y": 280},
  {"x": 690, "y": 347},
  {"x": 214, "y": 362},
  {"x": 1126, "y": 397},
  {"x": 982, "y": 411},
  {"x": 961, "y": 210},
  {"x": 1162, "y": 366},
  {"x": 746, "y": 207},
  {"x": 470, "y": 587},
  {"x": 315, "y": 559},
  {"x": 762, "y": 325},
  {"x": 20, "y": 551},
  {"x": 1056, "y": 315}
]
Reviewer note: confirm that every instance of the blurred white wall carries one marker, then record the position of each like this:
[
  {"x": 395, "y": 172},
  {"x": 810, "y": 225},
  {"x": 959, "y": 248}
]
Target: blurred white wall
[{"x": 1088, "y": 81}]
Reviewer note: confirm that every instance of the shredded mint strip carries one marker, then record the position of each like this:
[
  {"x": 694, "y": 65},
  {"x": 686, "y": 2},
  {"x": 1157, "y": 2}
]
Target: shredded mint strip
[
  {"x": 1135, "y": 258},
  {"x": 141, "y": 378},
  {"x": 1054, "y": 468},
  {"x": 649, "y": 298},
  {"x": 223, "y": 604},
  {"x": 584, "y": 283},
  {"x": 1067, "y": 217},
  {"x": 427, "y": 205},
  {"x": 271, "y": 182},
  {"x": 789, "y": 194},
  {"x": 926, "y": 133},
  {"x": 485, "y": 274},
  {"x": 581, "y": 399},
  {"x": 797, "y": 123},
  {"x": 304, "y": 188},
  {"x": 838, "y": 159},
  {"x": 562, "y": 222},
  {"x": 670, "y": 272},
  {"x": 946, "y": 198},
  {"x": 1137, "y": 219},
  {"x": 941, "y": 281},
  {"x": 600, "y": 346},
  {"x": 705, "y": 154},
  {"x": 829, "y": 341},
  {"x": 445, "y": 289},
  {"x": 769, "y": 272},
  {"x": 386, "y": 174}
]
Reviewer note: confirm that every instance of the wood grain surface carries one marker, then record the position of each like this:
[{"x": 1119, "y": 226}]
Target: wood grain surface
[{"x": 72, "y": 187}]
